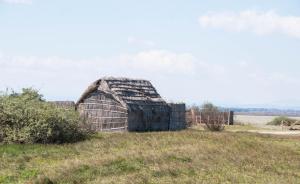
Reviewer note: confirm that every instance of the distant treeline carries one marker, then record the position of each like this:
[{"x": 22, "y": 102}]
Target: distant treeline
[{"x": 266, "y": 112}]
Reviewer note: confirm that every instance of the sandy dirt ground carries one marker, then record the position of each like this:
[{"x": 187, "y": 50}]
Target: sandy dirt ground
[
  {"x": 276, "y": 132},
  {"x": 256, "y": 120},
  {"x": 260, "y": 123}
]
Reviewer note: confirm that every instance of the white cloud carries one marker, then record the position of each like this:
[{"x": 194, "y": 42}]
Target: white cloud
[
  {"x": 147, "y": 61},
  {"x": 177, "y": 76},
  {"x": 161, "y": 61},
  {"x": 258, "y": 22},
  {"x": 243, "y": 64},
  {"x": 17, "y": 1},
  {"x": 141, "y": 42},
  {"x": 62, "y": 78}
]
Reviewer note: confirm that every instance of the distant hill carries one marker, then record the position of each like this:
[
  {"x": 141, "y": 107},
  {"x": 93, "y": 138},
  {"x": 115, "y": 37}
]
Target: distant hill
[{"x": 266, "y": 111}]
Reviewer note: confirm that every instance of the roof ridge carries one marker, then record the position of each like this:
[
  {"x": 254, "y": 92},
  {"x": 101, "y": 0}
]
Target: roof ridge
[{"x": 123, "y": 78}]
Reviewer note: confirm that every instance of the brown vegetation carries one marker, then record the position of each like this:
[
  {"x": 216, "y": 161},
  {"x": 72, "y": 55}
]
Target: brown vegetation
[{"x": 211, "y": 116}]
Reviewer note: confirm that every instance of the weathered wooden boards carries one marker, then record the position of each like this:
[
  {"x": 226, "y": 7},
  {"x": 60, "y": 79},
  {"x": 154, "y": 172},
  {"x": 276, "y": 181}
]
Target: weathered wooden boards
[
  {"x": 198, "y": 116},
  {"x": 64, "y": 104},
  {"x": 177, "y": 117}
]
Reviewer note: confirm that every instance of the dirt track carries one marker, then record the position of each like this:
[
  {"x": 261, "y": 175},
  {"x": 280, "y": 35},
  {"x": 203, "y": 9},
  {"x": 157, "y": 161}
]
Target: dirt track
[
  {"x": 260, "y": 123},
  {"x": 256, "y": 120},
  {"x": 277, "y": 132}
]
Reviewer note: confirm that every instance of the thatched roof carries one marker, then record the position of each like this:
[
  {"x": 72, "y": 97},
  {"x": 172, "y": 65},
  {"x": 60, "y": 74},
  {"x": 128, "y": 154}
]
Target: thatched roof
[{"x": 126, "y": 91}]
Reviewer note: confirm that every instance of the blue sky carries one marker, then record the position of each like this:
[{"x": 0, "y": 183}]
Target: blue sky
[{"x": 229, "y": 52}]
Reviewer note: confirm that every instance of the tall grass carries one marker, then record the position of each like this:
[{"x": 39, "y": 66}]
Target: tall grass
[{"x": 189, "y": 156}]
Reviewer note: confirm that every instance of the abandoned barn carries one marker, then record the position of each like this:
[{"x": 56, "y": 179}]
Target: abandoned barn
[{"x": 128, "y": 104}]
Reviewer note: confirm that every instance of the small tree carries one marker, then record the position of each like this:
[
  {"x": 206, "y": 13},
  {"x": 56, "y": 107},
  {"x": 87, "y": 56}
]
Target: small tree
[{"x": 212, "y": 117}]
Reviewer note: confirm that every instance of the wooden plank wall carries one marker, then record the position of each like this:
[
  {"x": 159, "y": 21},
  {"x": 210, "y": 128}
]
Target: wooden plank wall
[
  {"x": 149, "y": 117},
  {"x": 177, "y": 116}
]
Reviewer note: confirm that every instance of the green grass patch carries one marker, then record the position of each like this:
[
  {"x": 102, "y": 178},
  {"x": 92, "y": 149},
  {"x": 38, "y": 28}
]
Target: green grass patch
[
  {"x": 158, "y": 157},
  {"x": 179, "y": 159}
]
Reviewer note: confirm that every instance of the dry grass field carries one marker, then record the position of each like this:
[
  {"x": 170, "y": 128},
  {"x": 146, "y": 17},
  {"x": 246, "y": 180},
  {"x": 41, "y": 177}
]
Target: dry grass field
[{"x": 189, "y": 156}]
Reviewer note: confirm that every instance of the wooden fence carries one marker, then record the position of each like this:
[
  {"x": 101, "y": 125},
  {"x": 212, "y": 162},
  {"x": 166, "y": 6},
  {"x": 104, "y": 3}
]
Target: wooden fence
[{"x": 202, "y": 116}]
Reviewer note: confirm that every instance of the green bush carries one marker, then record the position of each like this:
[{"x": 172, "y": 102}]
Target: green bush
[
  {"x": 282, "y": 119},
  {"x": 26, "y": 118}
]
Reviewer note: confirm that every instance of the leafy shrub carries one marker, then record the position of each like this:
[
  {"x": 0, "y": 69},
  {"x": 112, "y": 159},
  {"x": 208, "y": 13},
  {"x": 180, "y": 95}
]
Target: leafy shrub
[
  {"x": 282, "y": 120},
  {"x": 26, "y": 118}
]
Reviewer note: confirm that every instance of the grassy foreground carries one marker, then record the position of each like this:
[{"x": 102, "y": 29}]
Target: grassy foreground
[{"x": 189, "y": 156}]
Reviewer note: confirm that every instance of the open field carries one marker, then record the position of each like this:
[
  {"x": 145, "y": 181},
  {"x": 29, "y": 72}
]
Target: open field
[
  {"x": 256, "y": 120},
  {"x": 189, "y": 156}
]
